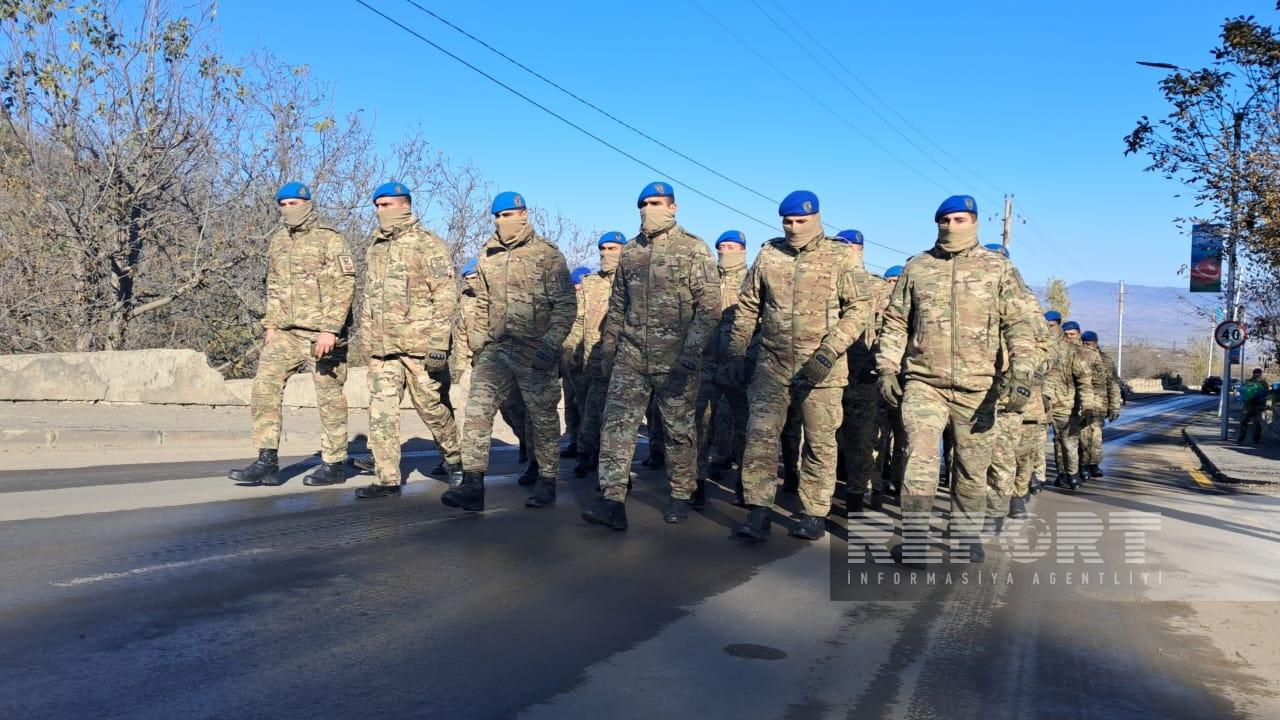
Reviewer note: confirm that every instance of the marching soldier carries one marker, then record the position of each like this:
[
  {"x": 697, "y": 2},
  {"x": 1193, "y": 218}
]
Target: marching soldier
[
  {"x": 1106, "y": 405},
  {"x": 596, "y": 289},
  {"x": 571, "y": 375},
  {"x": 1070, "y": 389}
]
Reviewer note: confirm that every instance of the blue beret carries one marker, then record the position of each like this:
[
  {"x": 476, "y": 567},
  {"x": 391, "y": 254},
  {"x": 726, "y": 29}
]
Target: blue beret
[
  {"x": 997, "y": 247},
  {"x": 612, "y": 236},
  {"x": 507, "y": 201},
  {"x": 893, "y": 272},
  {"x": 579, "y": 273},
  {"x": 1070, "y": 325},
  {"x": 853, "y": 237},
  {"x": 391, "y": 189},
  {"x": 800, "y": 202},
  {"x": 656, "y": 189},
  {"x": 1089, "y": 336},
  {"x": 956, "y": 203},
  {"x": 470, "y": 267},
  {"x": 293, "y": 190},
  {"x": 731, "y": 236},
  {"x": 1053, "y": 316}
]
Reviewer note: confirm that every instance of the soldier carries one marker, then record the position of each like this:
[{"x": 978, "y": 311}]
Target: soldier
[
  {"x": 406, "y": 318},
  {"x": 663, "y": 307},
  {"x": 311, "y": 279},
  {"x": 862, "y": 431},
  {"x": 1106, "y": 405},
  {"x": 525, "y": 306},
  {"x": 1030, "y": 461},
  {"x": 595, "y": 307},
  {"x": 1070, "y": 389},
  {"x": 810, "y": 300},
  {"x": 893, "y": 442},
  {"x": 571, "y": 369},
  {"x": 721, "y": 412},
  {"x": 950, "y": 311}
]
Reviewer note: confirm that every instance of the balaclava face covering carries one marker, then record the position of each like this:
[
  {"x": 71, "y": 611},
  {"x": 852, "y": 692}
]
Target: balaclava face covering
[
  {"x": 296, "y": 215},
  {"x": 392, "y": 217},
  {"x": 656, "y": 219},
  {"x": 958, "y": 238}
]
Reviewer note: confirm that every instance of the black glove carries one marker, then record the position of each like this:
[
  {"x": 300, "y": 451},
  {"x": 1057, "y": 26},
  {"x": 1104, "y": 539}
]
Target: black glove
[
  {"x": 1015, "y": 394},
  {"x": 437, "y": 363},
  {"x": 890, "y": 389},
  {"x": 678, "y": 378},
  {"x": 1113, "y": 415},
  {"x": 1086, "y": 417},
  {"x": 817, "y": 367},
  {"x": 545, "y": 358}
]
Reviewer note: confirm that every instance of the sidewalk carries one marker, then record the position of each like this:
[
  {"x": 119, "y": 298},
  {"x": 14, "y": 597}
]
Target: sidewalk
[{"x": 1229, "y": 461}]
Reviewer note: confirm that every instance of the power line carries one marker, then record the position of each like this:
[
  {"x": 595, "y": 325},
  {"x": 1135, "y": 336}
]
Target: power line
[{"x": 560, "y": 117}]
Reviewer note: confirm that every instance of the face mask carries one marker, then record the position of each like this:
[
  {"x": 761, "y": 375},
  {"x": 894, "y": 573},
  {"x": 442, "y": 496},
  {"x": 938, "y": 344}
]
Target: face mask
[
  {"x": 954, "y": 239},
  {"x": 656, "y": 219},
  {"x": 609, "y": 261},
  {"x": 295, "y": 215},
  {"x": 800, "y": 237},
  {"x": 509, "y": 229},
  {"x": 391, "y": 217},
  {"x": 731, "y": 259}
]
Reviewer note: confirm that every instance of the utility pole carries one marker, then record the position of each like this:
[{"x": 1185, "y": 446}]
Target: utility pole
[
  {"x": 1120, "y": 336},
  {"x": 1008, "y": 221},
  {"x": 1232, "y": 241}
]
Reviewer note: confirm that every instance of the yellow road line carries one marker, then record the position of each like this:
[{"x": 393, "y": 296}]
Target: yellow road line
[{"x": 1201, "y": 479}]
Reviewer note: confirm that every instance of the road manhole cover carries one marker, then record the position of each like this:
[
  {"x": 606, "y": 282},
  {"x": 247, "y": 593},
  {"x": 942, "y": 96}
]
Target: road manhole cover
[{"x": 754, "y": 652}]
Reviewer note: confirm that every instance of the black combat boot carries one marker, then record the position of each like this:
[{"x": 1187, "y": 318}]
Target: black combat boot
[
  {"x": 544, "y": 493},
  {"x": 369, "y": 492},
  {"x": 455, "y": 475},
  {"x": 853, "y": 502},
  {"x": 810, "y": 527},
  {"x": 524, "y": 452},
  {"x": 977, "y": 553},
  {"x": 877, "y": 501},
  {"x": 440, "y": 470},
  {"x": 263, "y": 471},
  {"x": 326, "y": 474},
  {"x": 571, "y": 451},
  {"x": 1077, "y": 481},
  {"x": 757, "y": 525},
  {"x": 1062, "y": 481},
  {"x": 1017, "y": 507},
  {"x": 717, "y": 469},
  {"x": 677, "y": 511},
  {"x": 586, "y": 465},
  {"x": 1084, "y": 474},
  {"x": 364, "y": 464},
  {"x": 609, "y": 513},
  {"x": 698, "y": 499},
  {"x": 469, "y": 495},
  {"x": 1095, "y": 471},
  {"x": 1034, "y": 486},
  {"x": 530, "y": 476}
]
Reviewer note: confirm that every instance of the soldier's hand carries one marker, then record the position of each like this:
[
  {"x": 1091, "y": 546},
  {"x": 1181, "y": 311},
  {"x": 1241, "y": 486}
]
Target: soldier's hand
[
  {"x": 436, "y": 364},
  {"x": 890, "y": 389},
  {"x": 1086, "y": 417},
  {"x": 1113, "y": 415},
  {"x": 545, "y": 358},
  {"x": 817, "y": 367},
  {"x": 733, "y": 372},
  {"x": 1017, "y": 393},
  {"x": 325, "y": 343},
  {"x": 678, "y": 378}
]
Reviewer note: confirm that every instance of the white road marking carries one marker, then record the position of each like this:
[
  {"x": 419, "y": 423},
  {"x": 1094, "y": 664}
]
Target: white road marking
[{"x": 155, "y": 568}]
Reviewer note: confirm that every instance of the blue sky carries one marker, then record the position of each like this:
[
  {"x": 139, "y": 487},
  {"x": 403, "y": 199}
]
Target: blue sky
[{"x": 1028, "y": 98}]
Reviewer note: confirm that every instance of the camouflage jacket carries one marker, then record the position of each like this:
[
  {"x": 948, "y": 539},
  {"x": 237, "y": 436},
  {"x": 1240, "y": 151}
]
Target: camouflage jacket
[
  {"x": 524, "y": 294},
  {"x": 718, "y": 349},
  {"x": 947, "y": 318},
  {"x": 862, "y": 353},
  {"x": 571, "y": 348},
  {"x": 664, "y": 303},
  {"x": 311, "y": 280},
  {"x": 801, "y": 300},
  {"x": 460, "y": 345},
  {"x": 1069, "y": 380},
  {"x": 410, "y": 293},
  {"x": 1034, "y": 410},
  {"x": 596, "y": 288},
  {"x": 1106, "y": 386}
]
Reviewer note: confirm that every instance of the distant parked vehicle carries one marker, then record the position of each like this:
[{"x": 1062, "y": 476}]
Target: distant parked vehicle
[{"x": 1212, "y": 385}]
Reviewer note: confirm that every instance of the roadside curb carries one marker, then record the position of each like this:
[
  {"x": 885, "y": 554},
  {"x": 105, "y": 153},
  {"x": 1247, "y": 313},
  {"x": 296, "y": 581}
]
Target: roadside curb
[
  {"x": 1214, "y": 473},
  {"x": 56, "y": 439}
]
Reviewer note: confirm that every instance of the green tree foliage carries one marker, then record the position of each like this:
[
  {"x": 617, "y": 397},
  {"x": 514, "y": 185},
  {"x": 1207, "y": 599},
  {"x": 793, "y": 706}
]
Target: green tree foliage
[{"x": 1058, "y": 297}]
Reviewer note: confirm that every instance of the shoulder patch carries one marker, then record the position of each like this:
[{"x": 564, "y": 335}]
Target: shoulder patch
[
  {"x": 347, "y": 264},
  {"x": 440, "y": 267}
]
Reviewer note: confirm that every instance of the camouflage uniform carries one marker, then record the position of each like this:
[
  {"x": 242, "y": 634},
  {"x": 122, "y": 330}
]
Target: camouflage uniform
[
  {"x": 803, "y": 300},
  {"x": 524, "y": 301},
  {"x": 864, "y": 432},
  {"x": 662, "y": 310},
  {"x": 1069, "y": 385},
  {"x": 721, "y": 411},
  {"x": 595, "y": 306},
  {"x": 1002, "y": 474},
  {"x": 1106, "y": 397},
  {"x": 943, "y": 328},
  {"x": 1031, "y": 437},
  {"x": 310, "y": 285},
  {"x": 410, "y": 301},
  {"x": 572, "y": 376}
]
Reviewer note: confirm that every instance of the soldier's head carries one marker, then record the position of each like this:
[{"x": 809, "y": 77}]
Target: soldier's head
[
  {"x": 294, "y": 201},
  {"x": 510, "y": 216},
  {"x": 393, "y": 204},
  {"x": 610, "y": 247},
  {"x": 852, "y": 238},
  {"x": 801, "y": 221},
  {"x": 731, "y": 249},
  {"x": 892, "y": 274},
  {"x": 579, "y": 273},
  {"x": 997, "y": 248},
  {"x": 1071, "y": 329},
  {"x": 1090, "y": 338},
  {"x": 957, "y": 211},
  {"x": 657, "y": 203},
  {"x": 471, "y": 274},
  {"x": 1054, "y": 318}
]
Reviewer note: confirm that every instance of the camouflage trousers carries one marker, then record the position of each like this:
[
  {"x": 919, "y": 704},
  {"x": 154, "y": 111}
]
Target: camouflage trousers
[
  {"x": 862, "y": 438},
  {"x": 1001, "y": 476},
  {"x": 721, "y": 417},
  {"x": 500, "y": 370},
  {"x": 592, "y": 416},
  {"x": 629, "y": 394},
  {"x": 1066, "y": 443},
  {"x": 388, "y": 378},
  {"x": 1091, "y": 441},
  {"x": 1031, "y": 439},
  {"x": 895, "y": 446},
  {"x": 657, "y": 438},
  {"x": 927, "y": 413},
  {"x": 288, "y": 352},
  {"x": 820, "y": 412},
  {"x": 575, "y": 389}
]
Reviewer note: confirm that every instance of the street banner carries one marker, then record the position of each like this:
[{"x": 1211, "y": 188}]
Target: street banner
[{"x": 1206, "y": 258}]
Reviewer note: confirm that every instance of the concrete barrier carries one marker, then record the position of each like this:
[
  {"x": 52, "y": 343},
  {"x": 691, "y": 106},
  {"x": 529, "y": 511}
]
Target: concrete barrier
[
  {"x": 1145, "y": 385},
  {"x": 181, "y": 377}
]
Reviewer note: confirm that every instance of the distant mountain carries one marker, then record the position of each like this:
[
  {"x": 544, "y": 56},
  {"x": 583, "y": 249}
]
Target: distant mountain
[{"x": 1162, "y": 316}]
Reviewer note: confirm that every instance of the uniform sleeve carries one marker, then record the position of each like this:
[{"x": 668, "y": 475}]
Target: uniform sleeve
[
  {"x": 1113, "y": 386},
  {"x": 748, "y": 312},
  {"x": 564, "y": 301},
  {"x": 1082, "y": 376},
  {"x": 617, "y": 314},
  {"x": 478, "y": 333},
  {"x": 572, "y": 348},
  {"x": 366, "y": 305},
  {"x": 1017, "y": 332},
  {"x": 855, "y": 300},
  {"x": 337, "y": 284},
  {"x": 271, "y": 319},
  {"x": 892, "y": 339},
  {"x": 704, "y": 285},
  {"x": 438, "y": 275}
]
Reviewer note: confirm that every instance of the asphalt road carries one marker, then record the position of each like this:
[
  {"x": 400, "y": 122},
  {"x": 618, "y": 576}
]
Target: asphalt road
[{"x": 164, "y": 591}]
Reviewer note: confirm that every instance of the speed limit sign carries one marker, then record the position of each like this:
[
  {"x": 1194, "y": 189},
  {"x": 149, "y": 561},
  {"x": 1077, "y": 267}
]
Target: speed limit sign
[{"x": 1230, "y": 334}]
